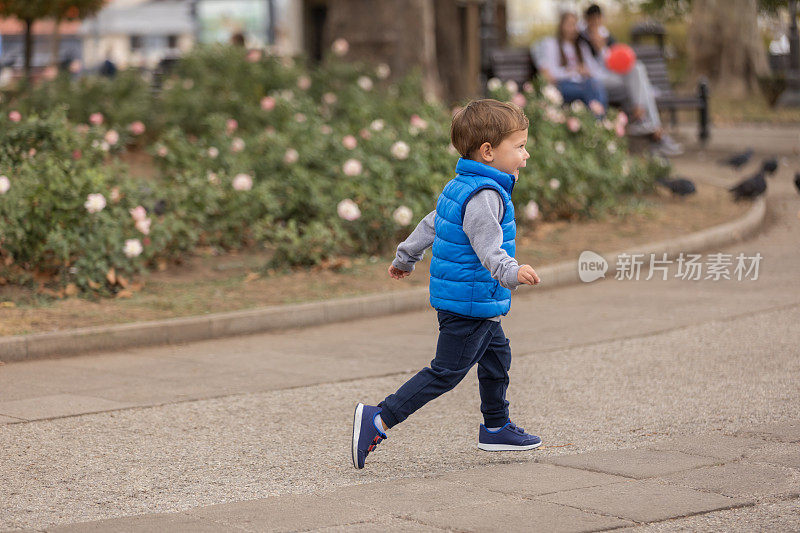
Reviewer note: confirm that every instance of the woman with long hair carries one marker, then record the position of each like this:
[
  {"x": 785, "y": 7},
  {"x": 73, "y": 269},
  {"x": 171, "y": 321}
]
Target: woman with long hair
[{"x": 567, "y": 62}]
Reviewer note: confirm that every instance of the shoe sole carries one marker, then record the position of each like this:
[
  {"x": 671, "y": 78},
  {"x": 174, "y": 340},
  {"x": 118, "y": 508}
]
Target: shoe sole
[
  {"x": 357, "y": 416},
  {"x": 507, "y": 447}
]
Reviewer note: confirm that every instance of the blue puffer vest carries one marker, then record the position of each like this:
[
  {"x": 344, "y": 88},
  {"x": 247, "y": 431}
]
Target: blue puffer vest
[{"x": 459, "y": 283}]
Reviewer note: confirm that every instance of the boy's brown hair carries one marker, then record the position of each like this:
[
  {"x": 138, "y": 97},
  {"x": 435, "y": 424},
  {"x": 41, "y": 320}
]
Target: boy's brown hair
[{"x": 485, "y": 120}]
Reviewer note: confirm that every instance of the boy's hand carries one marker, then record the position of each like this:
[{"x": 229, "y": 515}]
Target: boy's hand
[
  {"x": 527, "y": 275},
  {"x": 396, "y": 273}
]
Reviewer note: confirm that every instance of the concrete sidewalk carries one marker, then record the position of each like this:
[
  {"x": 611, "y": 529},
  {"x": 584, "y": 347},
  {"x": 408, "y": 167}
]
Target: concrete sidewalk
[
  {"x": 665, "y": 481},
  {"x": 655, "y": 399}
]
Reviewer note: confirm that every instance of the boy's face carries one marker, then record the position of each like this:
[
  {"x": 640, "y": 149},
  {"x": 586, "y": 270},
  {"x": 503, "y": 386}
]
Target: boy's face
[{"x": 510, "y": 155}]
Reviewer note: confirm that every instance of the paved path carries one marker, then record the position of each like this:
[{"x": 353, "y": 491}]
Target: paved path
[{"x": 656, "y": 400}]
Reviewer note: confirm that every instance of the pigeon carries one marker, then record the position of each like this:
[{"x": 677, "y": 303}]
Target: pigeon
[
  {"x": 678, "y": 186},
  {"x": 769, "y": 166},
  {"x": 739, "y": 160},
  {"x": 160, "y": 207},
  {"x": 750, "y": 188},
  {"x": 797, "y": 181}
]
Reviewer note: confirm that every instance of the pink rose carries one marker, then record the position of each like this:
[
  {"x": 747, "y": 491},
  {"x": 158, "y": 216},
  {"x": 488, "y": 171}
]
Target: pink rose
[
  {"x": 349, "y": 142},
  {"x": 365, "y": 134},
  {"x": 573, "y": 124},
  {"x": 136, "y": 128},
  {"x": 230, "y": 125},
  {"x": 418, "y": 122},
  {"x": 254, "y": 56},
  {"x": 268, "y": 103},
  {"x": 519, "y": 99},
  {"x": 15, "y": 116},
  {"x": 96, "y": 119},
  {"x": 597, "y": 108},
  {"x": 138, "y": 213}
]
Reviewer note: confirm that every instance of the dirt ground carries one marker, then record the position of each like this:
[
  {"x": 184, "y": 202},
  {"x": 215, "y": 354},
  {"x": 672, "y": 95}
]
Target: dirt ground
[{"x": 210, "y": 284}]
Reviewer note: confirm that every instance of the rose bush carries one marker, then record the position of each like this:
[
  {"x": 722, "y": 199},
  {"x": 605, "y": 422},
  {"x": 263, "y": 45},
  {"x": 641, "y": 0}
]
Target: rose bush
[
  {"x": 64, "y": 217},
  {"x": 255, "y": 150}
]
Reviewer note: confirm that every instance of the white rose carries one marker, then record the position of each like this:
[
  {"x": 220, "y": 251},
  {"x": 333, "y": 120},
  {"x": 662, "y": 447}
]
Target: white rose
[
  {"x": 577, "y": 106},
  {"x": 291, "y": 156},
  {"x": 560, "y": 148},
  {"x": 212, "y": 178},
  {"x": 352, "y": 167},
  {"x": 400, "y": 150},
  {"x": 304, "y": 82},
  {"x": 611, "y": 147},
  {"x": 555, "y": 184},
  {"x": 213, "y": 152},
  {"x": 377, "y": 125},
  {"x": 133, "y": 248},
  {"x": 512, "y": 87},
  {"x": 553, "y": 94},
  {"x": 329, "y": 98},
  {"x": 494, "y": 84},
  {"x": 532, "y": 210},
  {"x": 237, "y": 144},
  {"x": 383, "y": 71},
  {"x": 340, "y": 47},
  {"x": 5, "y": 184},
  {"x": 111, "y": 137},
  {"x": 95, "y": 203},
  {"x": 365, "y": 83},
  {"x": 348, "y": 210},
  {"x": 242, "y": 182},
  {"x": 403, "y": 215},
  {"x": 143, "y": 225}
]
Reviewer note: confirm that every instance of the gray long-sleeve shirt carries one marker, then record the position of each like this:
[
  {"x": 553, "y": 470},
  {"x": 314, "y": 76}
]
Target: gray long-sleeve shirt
[{"x": 482, "y": 226}]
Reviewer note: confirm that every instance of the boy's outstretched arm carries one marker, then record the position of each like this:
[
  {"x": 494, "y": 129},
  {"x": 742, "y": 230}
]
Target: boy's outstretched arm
[
  {"x": 482, "y": 226},
  {"x": 413, "y": 248}
]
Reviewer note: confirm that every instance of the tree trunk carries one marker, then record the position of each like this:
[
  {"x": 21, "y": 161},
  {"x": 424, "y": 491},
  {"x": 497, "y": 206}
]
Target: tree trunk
[
  {"x": 55, "y": 43},
  {"x": 399, "y": 33},
  {"x": 450, "y": 52},
  {"x": 725, "y": 45},
  {"x": 28, "y": 47}
]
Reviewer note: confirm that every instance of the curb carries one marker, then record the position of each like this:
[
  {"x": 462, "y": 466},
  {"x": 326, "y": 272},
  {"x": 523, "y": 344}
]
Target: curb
[{"x": 191, "y": 329}]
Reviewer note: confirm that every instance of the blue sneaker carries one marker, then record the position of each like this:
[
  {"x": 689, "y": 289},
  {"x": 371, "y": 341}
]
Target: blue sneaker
[
  {"x": 507, "y": 438},
  {"x": 365, "y": 434}
]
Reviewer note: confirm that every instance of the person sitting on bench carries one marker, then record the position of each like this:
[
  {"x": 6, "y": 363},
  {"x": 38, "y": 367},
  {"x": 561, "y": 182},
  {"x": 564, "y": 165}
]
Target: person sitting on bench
[
  {"x": 569, "y": 65},
  {"x": 632, "y": 90}
]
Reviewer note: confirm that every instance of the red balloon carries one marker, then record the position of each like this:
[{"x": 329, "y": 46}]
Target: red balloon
[{"x": 621, "y": 58}]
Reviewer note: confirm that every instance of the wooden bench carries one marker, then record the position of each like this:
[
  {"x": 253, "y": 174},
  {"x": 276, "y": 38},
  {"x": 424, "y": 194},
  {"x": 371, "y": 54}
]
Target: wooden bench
[
  {"x": 517, "y": 64},
  {"x": 512, "y": 64}
]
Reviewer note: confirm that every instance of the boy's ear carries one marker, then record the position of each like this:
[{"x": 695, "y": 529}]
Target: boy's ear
[{"x": 486, "y": 152}]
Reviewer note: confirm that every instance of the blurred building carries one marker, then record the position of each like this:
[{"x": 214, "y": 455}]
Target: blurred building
[
  {"x": 12, "y": 34},
  {"x": 138, "y": 32}
]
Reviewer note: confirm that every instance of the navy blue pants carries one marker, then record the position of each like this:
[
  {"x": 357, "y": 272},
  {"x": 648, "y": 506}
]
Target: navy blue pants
[{"x": 462, "y": 343}]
